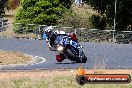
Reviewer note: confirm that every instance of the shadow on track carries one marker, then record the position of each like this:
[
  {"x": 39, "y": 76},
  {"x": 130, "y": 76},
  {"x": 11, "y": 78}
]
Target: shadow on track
[{"x": 67, "y": 63}]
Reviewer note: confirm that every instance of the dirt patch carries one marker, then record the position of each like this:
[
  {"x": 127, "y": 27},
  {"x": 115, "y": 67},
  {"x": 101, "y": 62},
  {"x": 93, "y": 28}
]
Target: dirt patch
[{"x": 7, "y": 58}]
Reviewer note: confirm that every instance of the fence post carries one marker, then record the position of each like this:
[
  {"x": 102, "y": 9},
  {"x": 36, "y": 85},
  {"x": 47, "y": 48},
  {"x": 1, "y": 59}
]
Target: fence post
[
  {"x": 75, "y": 31},
  {"x": 2, "y": 27}
]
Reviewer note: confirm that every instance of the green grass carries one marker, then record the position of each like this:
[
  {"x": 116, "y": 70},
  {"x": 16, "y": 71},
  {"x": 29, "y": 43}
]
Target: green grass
[{"x": 54, "y": 82}]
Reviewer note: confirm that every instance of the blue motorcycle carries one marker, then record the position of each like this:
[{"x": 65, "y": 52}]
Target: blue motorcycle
[{"x": 65, "y": 50}]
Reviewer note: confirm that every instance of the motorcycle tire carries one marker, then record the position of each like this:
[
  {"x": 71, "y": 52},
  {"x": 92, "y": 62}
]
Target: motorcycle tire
[
  {"x": 84, "y": 59},
  {"x": 60, "y": 58}
]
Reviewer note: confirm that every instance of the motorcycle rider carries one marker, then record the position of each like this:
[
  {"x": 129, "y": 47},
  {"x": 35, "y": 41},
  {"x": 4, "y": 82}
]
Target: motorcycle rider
[{"x": 50, "y": 36}]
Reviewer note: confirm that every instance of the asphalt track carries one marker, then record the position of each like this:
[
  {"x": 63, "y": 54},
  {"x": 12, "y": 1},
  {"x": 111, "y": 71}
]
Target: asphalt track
[{"x": 103, "y": 55}]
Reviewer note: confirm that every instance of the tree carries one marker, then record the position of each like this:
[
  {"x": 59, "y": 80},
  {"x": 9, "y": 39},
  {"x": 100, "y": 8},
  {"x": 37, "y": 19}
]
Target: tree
[
  {"x": 2, "y": 5},
  {"x": 75, "y": 20},
  {"x": 106, "y": 8},
  {"x": 12, "y": 4},
  {"x": 41, "y": 11}
]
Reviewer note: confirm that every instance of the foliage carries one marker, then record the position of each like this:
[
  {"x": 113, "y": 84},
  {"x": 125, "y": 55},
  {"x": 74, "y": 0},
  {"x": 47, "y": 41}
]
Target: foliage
[
  {"x": 99, "y": 21},
  {"x": 107, "y": 8},
  {"x": 41, "y": 11},
  {"x": 12, "y": 4},
  {"x": 31, "y": 80},
  {"x": 73, "y": 19},
  {"x": 2, "y": 5}
]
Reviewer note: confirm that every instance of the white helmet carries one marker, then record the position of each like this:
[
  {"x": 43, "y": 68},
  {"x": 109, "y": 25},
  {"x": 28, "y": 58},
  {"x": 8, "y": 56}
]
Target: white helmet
[{"x": 48, "y": 30}]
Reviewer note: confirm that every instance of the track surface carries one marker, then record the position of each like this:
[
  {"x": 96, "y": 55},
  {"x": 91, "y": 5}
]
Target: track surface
[{"x": 99, "y": 55}]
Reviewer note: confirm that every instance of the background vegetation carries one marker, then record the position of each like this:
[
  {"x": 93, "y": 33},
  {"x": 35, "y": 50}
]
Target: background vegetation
[
  {"x": 106, "y": 10},
  {"x": 62, "y": 13},
  {"x": 12, "y": 4},
  {"x": 41, "y": 11},
  {"x": 2, "y": 6},
  {"x": 53, "y": 81},
  {"x": 77, "y": 17}
]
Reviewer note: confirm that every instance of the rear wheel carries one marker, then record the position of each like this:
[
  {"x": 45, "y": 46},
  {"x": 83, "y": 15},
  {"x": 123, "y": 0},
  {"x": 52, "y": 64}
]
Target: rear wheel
[
  {"x": 76, "y": 58},
  {"x": 84, "y": 59}
]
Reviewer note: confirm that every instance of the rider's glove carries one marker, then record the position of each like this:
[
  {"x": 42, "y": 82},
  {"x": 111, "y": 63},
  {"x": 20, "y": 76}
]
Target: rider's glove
[
  {"x": 47, "y": 40},
  {"x": 49, "y": 46}
]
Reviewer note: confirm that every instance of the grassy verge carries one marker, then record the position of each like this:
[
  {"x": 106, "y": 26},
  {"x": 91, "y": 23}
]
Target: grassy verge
[
  {"x": 7, "y": 58},
  {"x": 50, "y": 79}
]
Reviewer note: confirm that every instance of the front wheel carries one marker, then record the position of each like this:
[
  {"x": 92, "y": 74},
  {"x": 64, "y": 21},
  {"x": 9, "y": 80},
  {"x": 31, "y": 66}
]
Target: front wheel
[{"x": 60, "y": 57}]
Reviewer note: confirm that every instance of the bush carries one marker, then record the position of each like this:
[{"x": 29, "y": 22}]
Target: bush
[
  {"x": 99, "y": 22},
  {"x": 72, "y": 19}
]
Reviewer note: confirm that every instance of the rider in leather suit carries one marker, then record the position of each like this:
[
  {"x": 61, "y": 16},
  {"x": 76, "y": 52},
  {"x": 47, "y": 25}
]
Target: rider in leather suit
[{"x": 50, "y": 36}]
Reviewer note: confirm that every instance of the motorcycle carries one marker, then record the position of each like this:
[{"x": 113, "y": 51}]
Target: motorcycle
[{"x": 65, "y": 50}]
